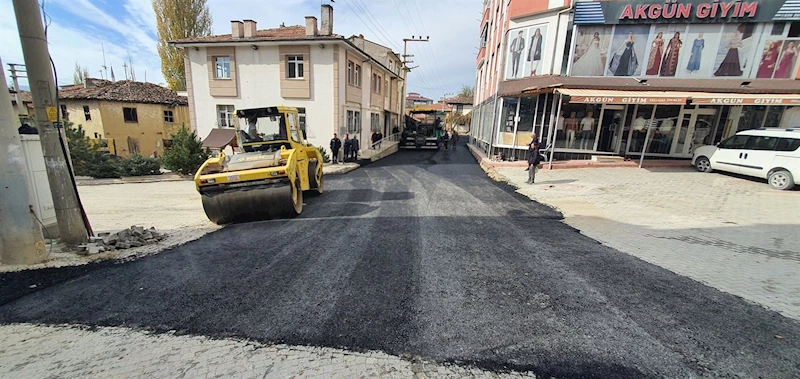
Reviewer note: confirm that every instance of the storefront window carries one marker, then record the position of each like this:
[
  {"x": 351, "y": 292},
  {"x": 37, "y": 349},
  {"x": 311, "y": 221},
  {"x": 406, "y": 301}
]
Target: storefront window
[
  {"x": 773, "y": 118},
  {"x": 665, "y": 125},
  {"x": 543, "y": 117},
  {"x": 580, "y": 125},
  {"x": 527, "y": 108},
  {"x": 639, "y": 128},
  {"x": 752, "y": 117},
  {"x": 505, "y": 135}
]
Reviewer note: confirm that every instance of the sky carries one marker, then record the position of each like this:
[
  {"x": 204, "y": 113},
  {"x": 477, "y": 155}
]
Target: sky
[{"x": 79, "y": 31}]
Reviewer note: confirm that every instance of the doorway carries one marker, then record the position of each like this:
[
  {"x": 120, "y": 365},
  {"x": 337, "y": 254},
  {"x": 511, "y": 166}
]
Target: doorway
[
  {"x": 694, "y": 126},
  {"x": 610, "y": 128}
]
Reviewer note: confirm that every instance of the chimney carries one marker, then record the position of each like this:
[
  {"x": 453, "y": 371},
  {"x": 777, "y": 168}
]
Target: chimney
[
  {"x": 249, "y": 28},
  {"x": 237, "y": 29},
  {"x": 311, "y": 26},
  {"x": 326, "y": 23}
]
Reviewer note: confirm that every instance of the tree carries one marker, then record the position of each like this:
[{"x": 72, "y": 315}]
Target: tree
[
  {"x": 178, "y": 19},
  {"x": 87, "y": 158},
  {"x": 186, "y": 154},
  {"x": 467, "y": 91},
  {"x": 80, "y": 75}
]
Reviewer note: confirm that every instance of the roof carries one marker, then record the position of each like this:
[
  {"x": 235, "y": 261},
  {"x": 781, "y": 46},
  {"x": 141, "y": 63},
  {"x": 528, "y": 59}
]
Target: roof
[
  {"x": 416, "y": 96},
  {"x": 25, "y": 96},
  {"x": 540, "y": 83},
  {"x": 123, "y": 91},
  {"x": 438, "y": 107},
  {"x": 459, "y": 100},
  {"x": 294, "y": 32},
  {"x": 219, "y": 138}
]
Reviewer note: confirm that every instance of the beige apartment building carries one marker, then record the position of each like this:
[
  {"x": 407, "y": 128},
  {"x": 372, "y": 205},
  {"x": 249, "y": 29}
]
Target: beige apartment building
[{"x": 344, "y": 85}]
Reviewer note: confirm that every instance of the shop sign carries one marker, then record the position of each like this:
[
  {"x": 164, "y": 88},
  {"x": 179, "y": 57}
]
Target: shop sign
[
  {"x": 627, "y": 100},
  {"x": 745, "y": 101},
  {"x": 681, "y": 11}
]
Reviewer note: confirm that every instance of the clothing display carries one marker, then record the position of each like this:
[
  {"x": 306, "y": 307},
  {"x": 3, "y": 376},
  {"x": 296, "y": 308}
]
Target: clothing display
[
  {"x": 669, "y": 65},
  {"x": 639, "y": 123},
  {"x": 730, "y": 66},
  {"x": 697, "y": 54},
  {"x": 786, "y": 63},
  {"x": 656, "y": 53},
  {"x": 666, "y": 126},
  {"x": 587, "y": 132},
  {"x": 625, "y": 63},
  {"x": 571, "y": 124},
  {"x": 768, "y": 60},
  {"x": 591, "y": 62},
  {"x": 517, "y": 46}
]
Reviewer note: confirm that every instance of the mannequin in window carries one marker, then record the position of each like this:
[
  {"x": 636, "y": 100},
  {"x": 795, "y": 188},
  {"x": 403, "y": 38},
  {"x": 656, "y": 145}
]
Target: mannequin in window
[
  {"x": 587, "y": 131},
  {"x": 560, "y": 127},
  {"x": 571, "y": 125},
  {"x": 638, "y": 128},
  {"x": 665, "y": 135}
]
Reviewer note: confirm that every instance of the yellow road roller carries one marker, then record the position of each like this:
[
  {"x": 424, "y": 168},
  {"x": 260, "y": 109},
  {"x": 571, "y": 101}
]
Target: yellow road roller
[{"x": 268, "y": 172}]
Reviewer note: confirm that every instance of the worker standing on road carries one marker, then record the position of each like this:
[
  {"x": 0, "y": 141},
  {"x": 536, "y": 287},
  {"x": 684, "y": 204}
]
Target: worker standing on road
[
  {"x": 336, "y": 144},
  {"x": 356, "y": 148},
  {"x": 375, "y": 139},
  {"x": 454, "y": 138},
  {"x": 348, "y": 147},
  {"x": 533, "y": 158}
]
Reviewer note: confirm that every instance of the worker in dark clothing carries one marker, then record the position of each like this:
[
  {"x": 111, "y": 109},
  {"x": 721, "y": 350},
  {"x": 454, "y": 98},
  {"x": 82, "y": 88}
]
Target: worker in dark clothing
[
  {"x": 454, "y": 139},
  {"x": 375, "y": 139},
  {"x": 27, "y": 129},
  {"x": 336, "y": 144},
  {"x": 348, "y": 147},
  {"x": 395, "y": 130},
  {"x": 356, "y": 148},
  {"x": 533, "y": 158}
]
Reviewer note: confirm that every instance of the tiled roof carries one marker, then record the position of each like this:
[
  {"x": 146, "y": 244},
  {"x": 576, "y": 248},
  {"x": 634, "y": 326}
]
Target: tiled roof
[
  {"x": 276, "y": 34},
  {"x": 124, "y": 91},
  {"x": 459, "y": 100},
  {"x": 756, "y": 86},
  {"x": 416, "y": 96},
  {"x": 25, "y": 96}
]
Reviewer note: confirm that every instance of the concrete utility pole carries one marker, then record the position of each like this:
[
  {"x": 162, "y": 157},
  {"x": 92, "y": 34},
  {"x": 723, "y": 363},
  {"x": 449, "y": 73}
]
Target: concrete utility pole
[
  {"x": 69, "y": 214},
  {"x": 20, "y": 236},
  {"x": 408, "y": 69}
]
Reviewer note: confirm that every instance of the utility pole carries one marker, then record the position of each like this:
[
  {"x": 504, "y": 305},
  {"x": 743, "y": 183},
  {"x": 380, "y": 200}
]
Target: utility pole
[
  {"x": 21, "y": 241},
  {"x": 22, "y": 110},
  {"x": 406, "y": 62},
  {"x": 72, "y": 226}
]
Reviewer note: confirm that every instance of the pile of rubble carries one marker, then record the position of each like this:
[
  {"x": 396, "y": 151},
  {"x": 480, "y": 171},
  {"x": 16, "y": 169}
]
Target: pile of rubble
[{"x": 125, "y": 239}]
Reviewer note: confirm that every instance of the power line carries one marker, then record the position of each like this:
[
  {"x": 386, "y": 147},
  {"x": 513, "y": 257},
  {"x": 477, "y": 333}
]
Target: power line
[
  {"x": 424, "y": 29},
  {"x": 424, "y": 53},
  {"x": 377, "y": 36},
  {"x": 369, "y": 14}
]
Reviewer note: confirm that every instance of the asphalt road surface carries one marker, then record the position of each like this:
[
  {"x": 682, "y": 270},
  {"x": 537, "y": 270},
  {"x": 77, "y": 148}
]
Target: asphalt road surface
[{"x": 422, "y": 254}]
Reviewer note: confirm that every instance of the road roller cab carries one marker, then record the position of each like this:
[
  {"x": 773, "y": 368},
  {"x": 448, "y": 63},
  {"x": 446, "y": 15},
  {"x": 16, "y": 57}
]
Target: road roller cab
[{"x": 266, "y": 175}]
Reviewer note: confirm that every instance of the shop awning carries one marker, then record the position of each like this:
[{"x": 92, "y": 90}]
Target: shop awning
[
  {"x": 219, "y": 138},
  {"x": 591, "y": 96}
]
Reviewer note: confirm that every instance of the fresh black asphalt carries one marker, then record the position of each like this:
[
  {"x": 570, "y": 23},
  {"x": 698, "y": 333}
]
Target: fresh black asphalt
[{"x": 422, "y": 254}]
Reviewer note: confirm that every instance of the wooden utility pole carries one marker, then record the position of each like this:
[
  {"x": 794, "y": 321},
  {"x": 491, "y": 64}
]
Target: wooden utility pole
[
  {"x": 72, "y": 225},
  {"x": 21, "y": 240}
]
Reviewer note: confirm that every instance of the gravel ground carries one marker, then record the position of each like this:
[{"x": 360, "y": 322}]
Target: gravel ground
[{"x": 421, "y": 254}]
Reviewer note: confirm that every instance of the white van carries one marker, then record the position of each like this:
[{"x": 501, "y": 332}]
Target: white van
[{"x": 772, "y": 154}]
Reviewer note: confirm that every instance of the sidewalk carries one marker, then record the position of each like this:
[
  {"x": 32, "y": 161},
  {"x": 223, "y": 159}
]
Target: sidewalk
[
  {"x": 31, "y": 351},
  {"x": 734, "y": 234}
]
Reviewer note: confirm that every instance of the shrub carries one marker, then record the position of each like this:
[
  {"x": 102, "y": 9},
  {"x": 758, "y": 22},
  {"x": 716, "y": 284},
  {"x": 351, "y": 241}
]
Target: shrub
[
  {"x": 186, "y": 154},
  {"x": 325, "y": 157},
  {"x": 137, "y": 165},
  {"x": 87, "y": 158}
]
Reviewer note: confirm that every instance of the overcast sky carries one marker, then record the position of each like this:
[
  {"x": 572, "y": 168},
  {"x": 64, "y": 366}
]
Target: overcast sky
[{"x": 126, "y": 29}]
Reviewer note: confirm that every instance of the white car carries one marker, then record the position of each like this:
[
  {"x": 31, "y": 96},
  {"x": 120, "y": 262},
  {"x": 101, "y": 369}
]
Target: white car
[{"x": 770, "y": 153}]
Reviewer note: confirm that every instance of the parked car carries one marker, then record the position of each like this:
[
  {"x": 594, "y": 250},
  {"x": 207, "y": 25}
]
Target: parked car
[{"x": 769, "y": 153}]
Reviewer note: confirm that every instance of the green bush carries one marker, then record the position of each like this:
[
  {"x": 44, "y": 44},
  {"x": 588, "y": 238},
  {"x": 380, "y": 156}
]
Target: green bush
[
  {"x": 325, "y": 157},
  {"x": 186, "y": 154},
  {"x": 137, "y": 165},
  {"x": 88, "y": 159}
]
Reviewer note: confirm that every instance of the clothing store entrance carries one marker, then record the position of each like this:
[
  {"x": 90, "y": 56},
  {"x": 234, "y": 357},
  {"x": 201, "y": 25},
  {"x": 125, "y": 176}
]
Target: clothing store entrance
[
  {"x": 611, "y": 122},
  {"x": 692, "y": 129}
]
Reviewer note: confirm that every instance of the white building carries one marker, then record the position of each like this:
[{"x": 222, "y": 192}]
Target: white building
[{"x": 339, "y": 85}]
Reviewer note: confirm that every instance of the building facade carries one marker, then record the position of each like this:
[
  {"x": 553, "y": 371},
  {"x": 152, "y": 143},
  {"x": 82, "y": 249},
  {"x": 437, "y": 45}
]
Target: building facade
[
  {"x": 414, "y": 99},
  {"x": 635, "y": 77},
  {"x": 339, "y": 85},
  {"x": 138, "y": 118}
]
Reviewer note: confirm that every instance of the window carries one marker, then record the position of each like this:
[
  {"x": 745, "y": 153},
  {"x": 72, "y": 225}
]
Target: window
[
  {"x": 64, "y": 113},
  {"x": 301, "y": 117},
  {"x": 794, "y": 30},
  {"x": 222, "y": 67},
  {"x": 294, "y": 69},
  {"x": 353, "y": 122},
  {"x": 778, "y": 28},
  {"x": 293, "y": 130},
  {"x": 377, "y": 82},
  {"x": 374, "y": 122},
  {"x": 350, "y": 72},
  {"x": 460, "y": 108},
  {"x": 86, "y": 114},
  {"x": 391, "y": 66},
  {"x": 735, "y": 142},
  {"x": 225, "y": 116},
  {"x": 788, "y": 144},
  {"x": 130, "y": 115},
  {"x": 484, "y": 34},
  {"x": 357, "y": 76},
  {"x": 168, "y": 116},
  {"x": 761, "y": 143}
]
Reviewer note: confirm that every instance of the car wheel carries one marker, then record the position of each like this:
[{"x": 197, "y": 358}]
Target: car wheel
[
  {"x": 781, "y": 180},
  {"x": 702, "y": 164}
]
